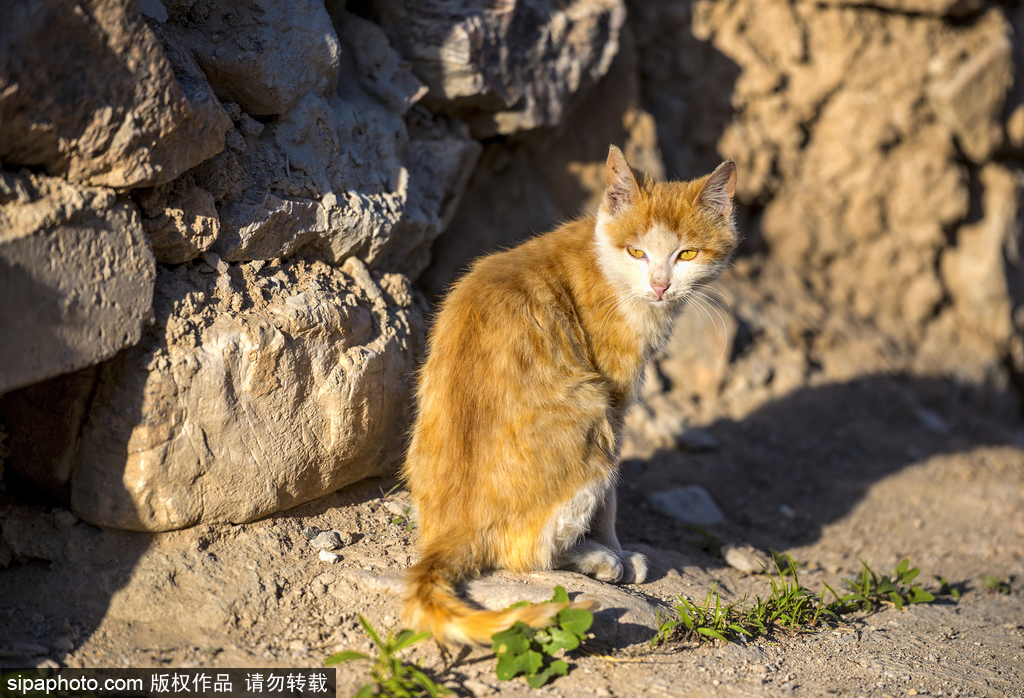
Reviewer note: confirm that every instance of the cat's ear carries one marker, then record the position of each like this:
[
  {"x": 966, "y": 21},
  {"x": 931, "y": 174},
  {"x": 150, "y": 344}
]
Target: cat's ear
[
  {"x": 717, "y": 192},
  {"x": 621, "y": 190}
]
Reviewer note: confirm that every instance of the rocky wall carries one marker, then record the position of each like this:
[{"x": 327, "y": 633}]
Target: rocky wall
[{"x": 211, "y": 215}]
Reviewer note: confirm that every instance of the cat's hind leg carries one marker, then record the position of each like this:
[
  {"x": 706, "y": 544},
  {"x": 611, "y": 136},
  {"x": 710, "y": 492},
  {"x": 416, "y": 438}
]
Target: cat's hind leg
[{"x": 592, "y": 559}]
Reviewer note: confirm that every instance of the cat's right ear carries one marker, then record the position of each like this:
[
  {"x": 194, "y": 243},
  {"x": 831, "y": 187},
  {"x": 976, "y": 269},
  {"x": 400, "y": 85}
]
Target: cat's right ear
[{"x": 621, "y": 189}]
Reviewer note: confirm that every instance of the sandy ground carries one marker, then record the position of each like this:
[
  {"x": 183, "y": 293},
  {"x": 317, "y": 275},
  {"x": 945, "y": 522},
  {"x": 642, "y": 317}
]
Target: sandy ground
[{"x": 876, "y": 470}]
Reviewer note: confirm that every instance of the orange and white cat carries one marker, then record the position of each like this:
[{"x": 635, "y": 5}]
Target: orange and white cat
[{"x": 534, "y": 357}]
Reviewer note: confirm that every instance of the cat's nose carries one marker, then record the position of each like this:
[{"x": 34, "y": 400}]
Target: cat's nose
[{"x": 659, "y": 291}]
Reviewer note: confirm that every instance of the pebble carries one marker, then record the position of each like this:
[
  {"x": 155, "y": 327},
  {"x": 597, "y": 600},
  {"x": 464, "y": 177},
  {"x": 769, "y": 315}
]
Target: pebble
[
  {"x": 64, "y": 644},
  {"x": 330, "y": 557},
  {"x": 697, "y": 441},
  {"x": 932, "y": 422},
  {"x": 691, "y": 505},
  {"x": 310, "y": 532},
  {"x": 64, "y": 519},
  {"x": 327, "y": 540},
  {"x": 746, "y": 558}
]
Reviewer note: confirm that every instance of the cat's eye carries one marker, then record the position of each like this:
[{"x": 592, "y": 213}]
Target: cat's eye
[
  {"x": 639, "y": 254},
  {"x": 687, "y": 255}
]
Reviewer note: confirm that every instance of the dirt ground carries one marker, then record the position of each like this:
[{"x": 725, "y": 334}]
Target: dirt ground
[{"x": 877, "y": 470}]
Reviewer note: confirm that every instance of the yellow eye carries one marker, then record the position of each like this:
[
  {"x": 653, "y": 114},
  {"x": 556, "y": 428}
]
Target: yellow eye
[
  {"x": 687, "y": 255},
  {"x": 639, "y": 254}
]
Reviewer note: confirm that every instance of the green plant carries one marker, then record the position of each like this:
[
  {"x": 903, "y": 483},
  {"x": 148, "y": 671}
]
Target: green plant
[
  {"x": 996, "y": 585},
  {"x": 869, "y": 591},
  {"x": 789, "y": 607},
  {"x": 947, "y": 589},
  {"x": 531, "y": 651},
  {"x": 391, "y": 676},
  {"x": 708, "y": 542}
]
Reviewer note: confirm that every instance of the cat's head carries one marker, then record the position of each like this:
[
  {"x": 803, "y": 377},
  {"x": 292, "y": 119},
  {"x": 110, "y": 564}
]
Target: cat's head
[{"x": 657, "y": 240}]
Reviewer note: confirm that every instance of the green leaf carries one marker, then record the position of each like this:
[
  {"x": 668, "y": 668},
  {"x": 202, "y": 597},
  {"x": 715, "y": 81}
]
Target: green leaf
[
  {"x": 513, "y": 641},
  {"x": 897, "y": 600},
  {"x": 407, "y": 637},
  {"x": 560, "y": 596},
  {"x": 575, "y": 620},
  {"x": 922, "y": 596},
  {"x": 427, "y": 684},
  {"x": 902, "y": 567},
  {"x": 712, "y": 633},
  {"x": 343, "y": 657},
  {"x": 518, "y": 604},
  {"x": 510, "y": 666},
  {"x": 365, "y": 691},
  {"x": 561, "y": 639},
  {"x": 555, "y": 668},
  {"x": 370, "y": 631}
]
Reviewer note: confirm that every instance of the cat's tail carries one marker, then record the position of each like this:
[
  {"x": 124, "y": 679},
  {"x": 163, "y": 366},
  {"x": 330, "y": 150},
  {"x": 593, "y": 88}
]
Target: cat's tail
[{"x": 432, "y": 605}]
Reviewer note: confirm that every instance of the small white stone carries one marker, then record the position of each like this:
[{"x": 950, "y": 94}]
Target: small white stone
[{"x": 328, "y": 556}]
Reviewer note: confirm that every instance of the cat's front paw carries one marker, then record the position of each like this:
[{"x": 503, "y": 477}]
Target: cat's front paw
[{"x": 634, "y": 567}]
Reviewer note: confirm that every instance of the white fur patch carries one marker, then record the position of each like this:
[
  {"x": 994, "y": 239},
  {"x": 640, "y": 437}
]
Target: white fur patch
[{"x": 571, "y": 521}]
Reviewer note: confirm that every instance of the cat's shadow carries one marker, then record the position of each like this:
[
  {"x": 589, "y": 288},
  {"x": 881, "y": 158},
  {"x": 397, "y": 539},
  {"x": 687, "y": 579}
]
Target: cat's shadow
[{"x": 799, "y": 463}]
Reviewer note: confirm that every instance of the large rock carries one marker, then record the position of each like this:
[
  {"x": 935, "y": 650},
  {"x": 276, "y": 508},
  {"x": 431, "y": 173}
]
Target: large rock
[
  {"x": 125, "y": 117},
  {"x": 343, "y": 174},
  {"x": 259, "y": 388},
  {"x": 510, "y": 66},
  {"x": 266, "y": 56},
  {"x": 76, "y": 277}
]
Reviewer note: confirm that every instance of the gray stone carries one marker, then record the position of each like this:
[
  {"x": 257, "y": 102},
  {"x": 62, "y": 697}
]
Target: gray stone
[
  {"x": 131, "y": 116},
  {"x": 265, "y": 56},
  {"x": 746, "y": 558},
  {"x": 969, "y": 98},
  {"x": 256, "y": 390},
  {"x": 76, "y": 276},
  {"x": 508, "y": 67},
  {"x": 327, "y": 540},
  {"x": 622, "y": 619},
  {"x": 697, "y": 441},
  {"x": 180, "y": 219},
  {"x": 691, "y": 505}
]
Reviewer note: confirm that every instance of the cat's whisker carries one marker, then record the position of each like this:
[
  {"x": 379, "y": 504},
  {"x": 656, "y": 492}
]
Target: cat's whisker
[{"x": 725, "y": 325}]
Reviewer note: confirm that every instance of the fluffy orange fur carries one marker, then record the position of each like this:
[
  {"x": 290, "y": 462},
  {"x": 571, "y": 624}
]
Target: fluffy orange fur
[{"x": 534, "y": 357}]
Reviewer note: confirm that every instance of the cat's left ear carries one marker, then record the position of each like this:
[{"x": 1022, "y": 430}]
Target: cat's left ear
[{"x": 717, "y": 192}]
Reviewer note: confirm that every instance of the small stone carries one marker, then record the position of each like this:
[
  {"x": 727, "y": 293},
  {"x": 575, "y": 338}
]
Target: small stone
[
  {"x": 297, "y": 646},
  {"x": 697, "y": 441},
  {"x": 328, "y": 556},
  {"x": 310, "y": 532},
  {"x": 932, "y": 422},
  {"x": 787, "y": 511},
  {"x": 47, "y": 664},
  {"x": 29, "y": 648},
  {"x": 327, "y": 540},
  {"x": 64, "y": 644},
  {"x": 746, "y": 558},
  {"x": 395, "y": 507},
  {"x": 477, "y": 688},
  {"x": 64, "y": 519},
  {"x": 692, "y": 505}
]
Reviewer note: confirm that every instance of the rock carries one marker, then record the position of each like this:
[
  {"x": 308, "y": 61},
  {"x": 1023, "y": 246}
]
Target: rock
[
  {"x": 746, "y": 558},
  {"x": 932, "y": 422},
  {"x": 691, "y": 505},
  {"x": 329, "y": 557},
  {"x": 622, "y": 618},
  {"x": 256, "y": 390},
  {"x": 697, "y": 441},
  {"x": 327, "y": 540},
  {"x": 505, "y": 68},
  {"x": 969, "y": 96},
  {"x": 138, "y": 118},
  {"x": 530, "y": 184},
  {"x": 180, "y": 219},
  {"x": 264, "y": 56},
  {"x": 77, "y": 277},
  {"x": 339, "y": 174},
  {"x": 63, "y": 519}
]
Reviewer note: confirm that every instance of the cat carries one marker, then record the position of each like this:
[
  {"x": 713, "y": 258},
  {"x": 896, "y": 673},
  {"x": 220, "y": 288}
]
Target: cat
[{"x": 533, "y": 359}]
